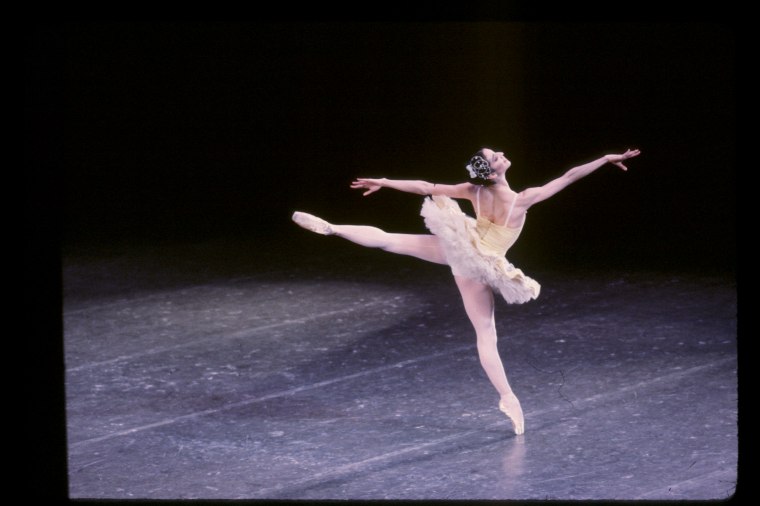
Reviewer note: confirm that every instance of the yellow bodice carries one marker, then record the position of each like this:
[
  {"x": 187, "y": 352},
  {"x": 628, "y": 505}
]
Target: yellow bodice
[{"x": 495, "y": 239}]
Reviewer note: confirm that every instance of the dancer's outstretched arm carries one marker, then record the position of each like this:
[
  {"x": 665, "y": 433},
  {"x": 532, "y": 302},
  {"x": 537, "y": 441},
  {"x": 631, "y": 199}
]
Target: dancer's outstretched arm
[
  {"x": 535, "y": 195},
  {"x": 457, "y": 191}
]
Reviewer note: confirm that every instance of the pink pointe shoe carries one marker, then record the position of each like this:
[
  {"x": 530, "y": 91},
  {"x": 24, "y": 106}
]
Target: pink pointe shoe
[
  {"x": 310, "y": 222},
  {"x": 515, "y": 415}
]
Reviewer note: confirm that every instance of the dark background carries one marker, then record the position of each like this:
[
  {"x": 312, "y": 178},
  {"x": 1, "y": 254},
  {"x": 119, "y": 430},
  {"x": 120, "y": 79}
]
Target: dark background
[{"x": 145, "y": 132}]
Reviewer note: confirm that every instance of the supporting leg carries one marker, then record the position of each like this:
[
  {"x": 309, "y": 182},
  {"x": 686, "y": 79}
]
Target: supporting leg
[{"x": 479, "y": 305}]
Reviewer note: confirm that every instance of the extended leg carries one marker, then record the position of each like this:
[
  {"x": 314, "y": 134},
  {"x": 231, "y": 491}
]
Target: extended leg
[
  {"x": 422, "y": 246},
  {"x": 479, "y": 306}
]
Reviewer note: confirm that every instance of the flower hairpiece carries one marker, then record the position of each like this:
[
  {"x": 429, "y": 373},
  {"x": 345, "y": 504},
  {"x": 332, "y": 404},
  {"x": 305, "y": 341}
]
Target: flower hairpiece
[{"x": 479, "y": 167}]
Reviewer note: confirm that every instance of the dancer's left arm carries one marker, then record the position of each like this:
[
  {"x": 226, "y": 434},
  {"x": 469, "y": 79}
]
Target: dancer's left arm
[
  {"x": 540, "y": 193},
  {"x": 457, "y": 191}
]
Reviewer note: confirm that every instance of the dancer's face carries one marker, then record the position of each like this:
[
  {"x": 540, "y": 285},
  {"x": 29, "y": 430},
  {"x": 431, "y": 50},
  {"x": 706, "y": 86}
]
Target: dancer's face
[{"x": 498, "y": 161}]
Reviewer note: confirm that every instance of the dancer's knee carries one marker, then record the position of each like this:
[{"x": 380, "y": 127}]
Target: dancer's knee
[
  {"x": 486, "y": 337},
  {"x": 484, "y": 326},
  {"x": 381, "y": 238}
]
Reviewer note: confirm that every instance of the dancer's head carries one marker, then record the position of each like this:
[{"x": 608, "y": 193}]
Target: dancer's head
[{"x": 486, "y": 165}]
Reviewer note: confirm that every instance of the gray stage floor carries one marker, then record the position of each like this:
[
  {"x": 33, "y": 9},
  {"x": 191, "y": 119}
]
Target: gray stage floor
[{"x": 237, "y": 370}]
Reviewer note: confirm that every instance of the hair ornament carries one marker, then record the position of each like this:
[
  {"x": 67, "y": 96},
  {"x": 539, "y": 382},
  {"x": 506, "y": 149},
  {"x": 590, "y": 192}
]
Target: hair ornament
[{"x": 479, "y": 167}]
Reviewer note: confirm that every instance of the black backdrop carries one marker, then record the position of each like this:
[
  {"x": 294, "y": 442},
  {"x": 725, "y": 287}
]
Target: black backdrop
[{"x": 189, "y": 131}]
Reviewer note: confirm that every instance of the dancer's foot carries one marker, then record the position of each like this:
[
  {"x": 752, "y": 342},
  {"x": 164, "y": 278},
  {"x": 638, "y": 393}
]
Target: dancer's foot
[
  {"x": 312, "y": 223},
  {"x": 510, "y": 406}
]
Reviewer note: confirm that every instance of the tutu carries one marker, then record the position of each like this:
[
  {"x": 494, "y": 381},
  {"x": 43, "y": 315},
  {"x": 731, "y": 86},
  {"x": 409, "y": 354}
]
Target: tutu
[{"x": 475, "y": 249}]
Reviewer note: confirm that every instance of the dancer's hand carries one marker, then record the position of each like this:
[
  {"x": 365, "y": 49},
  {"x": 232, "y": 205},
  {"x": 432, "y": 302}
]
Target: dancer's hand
[
  {"x": 371, "y": 185},
  {"x": 618, "y": 159}
]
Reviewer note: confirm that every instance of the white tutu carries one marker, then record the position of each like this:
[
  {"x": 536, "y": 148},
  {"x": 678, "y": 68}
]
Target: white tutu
[{"x": 468, "y": 257}]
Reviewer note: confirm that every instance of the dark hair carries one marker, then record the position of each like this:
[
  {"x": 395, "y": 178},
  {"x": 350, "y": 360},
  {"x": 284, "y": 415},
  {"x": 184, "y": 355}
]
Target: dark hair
[{"x": 484, "y": 169}]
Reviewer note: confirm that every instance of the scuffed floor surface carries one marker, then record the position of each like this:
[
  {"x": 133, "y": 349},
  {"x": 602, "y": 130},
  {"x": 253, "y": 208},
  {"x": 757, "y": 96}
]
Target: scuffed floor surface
[{"x": 234, "y": 370}]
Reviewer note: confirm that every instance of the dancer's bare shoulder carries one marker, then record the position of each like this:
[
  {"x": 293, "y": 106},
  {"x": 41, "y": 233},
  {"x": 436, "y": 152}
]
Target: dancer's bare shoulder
[{"x": 455, "y": 191}]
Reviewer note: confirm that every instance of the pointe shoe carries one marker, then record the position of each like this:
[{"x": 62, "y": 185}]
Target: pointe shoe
[
  {"x": 310, "y": 222},
  {"x": 518, "y": 422}
]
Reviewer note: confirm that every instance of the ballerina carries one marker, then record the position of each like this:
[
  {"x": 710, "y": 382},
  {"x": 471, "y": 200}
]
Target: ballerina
[{"x": 474, "y": 248}]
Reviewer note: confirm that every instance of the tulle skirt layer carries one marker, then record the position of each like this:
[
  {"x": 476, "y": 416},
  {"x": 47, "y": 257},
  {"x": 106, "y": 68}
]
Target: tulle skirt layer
[{"x": 468, "y": 257}]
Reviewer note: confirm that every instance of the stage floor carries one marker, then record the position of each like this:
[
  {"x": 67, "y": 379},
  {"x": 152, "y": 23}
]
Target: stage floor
[{"x": 315, "y": 369}]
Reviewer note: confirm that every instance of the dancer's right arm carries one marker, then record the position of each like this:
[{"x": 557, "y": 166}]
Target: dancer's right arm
[{"x": 457, "y": 191}]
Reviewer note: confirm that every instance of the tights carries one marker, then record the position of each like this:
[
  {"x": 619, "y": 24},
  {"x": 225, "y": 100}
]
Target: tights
[{"x": 478, "y": 301}]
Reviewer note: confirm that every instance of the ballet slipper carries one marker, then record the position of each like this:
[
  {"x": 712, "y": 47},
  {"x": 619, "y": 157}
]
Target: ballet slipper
[
  {"x": 310, "y": 222},
  {"x": 514, "y": 412}
]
